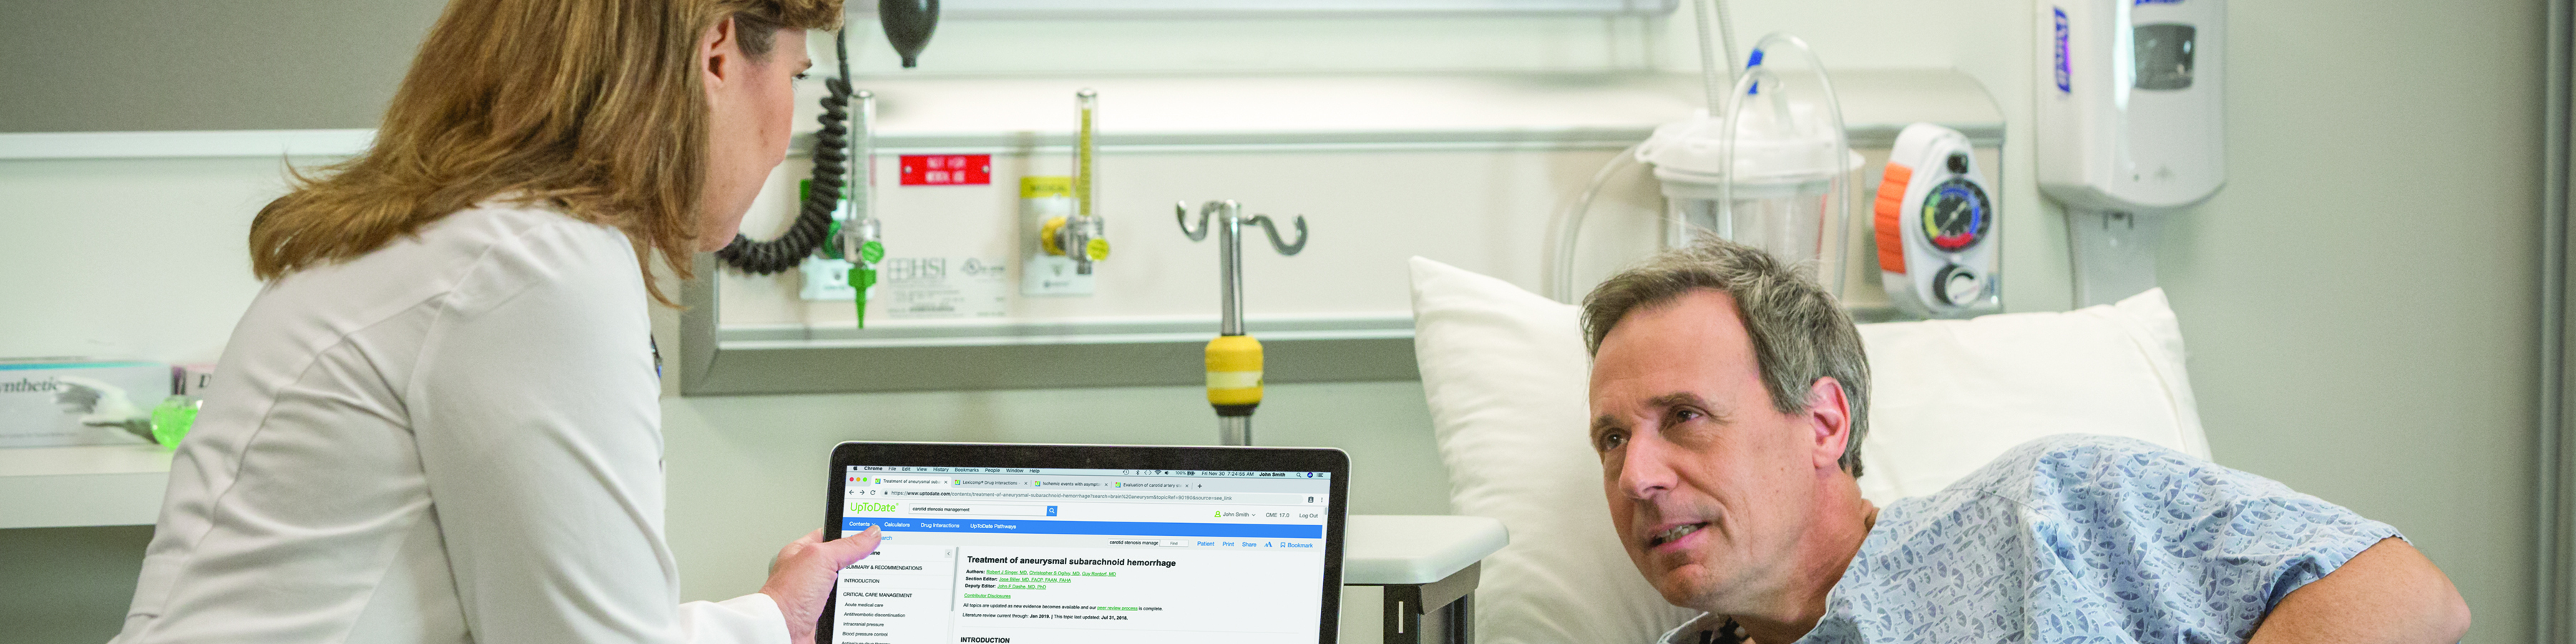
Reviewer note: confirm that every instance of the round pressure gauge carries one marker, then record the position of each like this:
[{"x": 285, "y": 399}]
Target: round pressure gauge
[{"x": 1956, "y": 215}]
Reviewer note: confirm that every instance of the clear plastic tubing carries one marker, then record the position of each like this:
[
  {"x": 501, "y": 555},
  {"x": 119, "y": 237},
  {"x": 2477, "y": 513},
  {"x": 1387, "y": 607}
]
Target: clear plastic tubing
[
  {"x": 1837, "y": 228},
  {"x": 862, "y": 192},
  {"x": 1716, "y": 74},
  {"x": 1569, "y": 227}
]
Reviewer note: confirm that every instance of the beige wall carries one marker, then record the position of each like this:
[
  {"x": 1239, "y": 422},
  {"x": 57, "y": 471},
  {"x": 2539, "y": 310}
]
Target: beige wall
[
  {"x": 2360, "y": 301},
  {"x": 113, "y": 65}
]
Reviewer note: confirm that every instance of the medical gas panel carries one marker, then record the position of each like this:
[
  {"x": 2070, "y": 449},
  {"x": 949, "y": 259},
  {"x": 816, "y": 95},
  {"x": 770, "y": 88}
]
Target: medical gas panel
[{"x": 974, "y": 176}]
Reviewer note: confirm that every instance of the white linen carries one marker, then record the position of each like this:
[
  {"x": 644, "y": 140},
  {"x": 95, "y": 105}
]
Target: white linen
[
  {"x": 454, "y": 438},
  {"x": 1506, "y": 377},
  {"x": 1946, "y": 396}
]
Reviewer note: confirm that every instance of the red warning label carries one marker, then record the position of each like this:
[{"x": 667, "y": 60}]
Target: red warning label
[{"x": 947, "y": 169}]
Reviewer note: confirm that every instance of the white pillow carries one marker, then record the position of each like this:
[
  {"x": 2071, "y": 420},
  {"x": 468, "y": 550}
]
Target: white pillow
[
  {"x": 1946, "y": 396},
  {"x": 1506, "y": 377}
]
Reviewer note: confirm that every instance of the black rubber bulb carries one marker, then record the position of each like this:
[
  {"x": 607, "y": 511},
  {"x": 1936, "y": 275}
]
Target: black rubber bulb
[{"x": 907, "y": 25}]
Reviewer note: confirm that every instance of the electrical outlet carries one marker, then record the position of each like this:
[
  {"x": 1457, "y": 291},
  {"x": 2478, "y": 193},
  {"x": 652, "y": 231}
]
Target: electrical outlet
[{"x": 1044, "y": 274}]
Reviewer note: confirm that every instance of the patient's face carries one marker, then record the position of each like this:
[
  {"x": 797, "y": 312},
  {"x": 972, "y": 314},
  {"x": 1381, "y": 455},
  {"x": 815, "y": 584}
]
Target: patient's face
[{"x": 1709, "y": 487}]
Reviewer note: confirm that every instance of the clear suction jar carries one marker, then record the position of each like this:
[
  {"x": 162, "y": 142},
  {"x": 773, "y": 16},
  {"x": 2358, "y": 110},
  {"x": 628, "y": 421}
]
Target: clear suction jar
[
  {"x": 1784, "y": 215},
  {"x": 1770, "y": 173}
]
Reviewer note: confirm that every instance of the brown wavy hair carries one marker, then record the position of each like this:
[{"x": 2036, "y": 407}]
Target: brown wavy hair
[{"x": 591, "y": 106}]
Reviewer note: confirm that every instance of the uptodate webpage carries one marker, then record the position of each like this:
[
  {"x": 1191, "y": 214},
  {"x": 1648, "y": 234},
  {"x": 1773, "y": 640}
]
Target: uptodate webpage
[{"x": 1073, "y": 556}]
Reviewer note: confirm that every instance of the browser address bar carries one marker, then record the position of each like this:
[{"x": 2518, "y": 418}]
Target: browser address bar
[{"x": 953, "y": 509}]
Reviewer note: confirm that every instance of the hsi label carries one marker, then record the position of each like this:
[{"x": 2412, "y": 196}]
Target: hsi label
[{"x": 944, "y": 287}]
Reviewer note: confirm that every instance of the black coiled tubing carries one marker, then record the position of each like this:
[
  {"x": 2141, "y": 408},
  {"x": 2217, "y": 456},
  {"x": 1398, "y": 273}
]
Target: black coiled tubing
[{"x": 831, "y": 172}]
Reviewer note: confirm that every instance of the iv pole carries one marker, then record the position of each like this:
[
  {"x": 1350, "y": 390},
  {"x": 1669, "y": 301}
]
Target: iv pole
[{"x": 1234, "y": 357}]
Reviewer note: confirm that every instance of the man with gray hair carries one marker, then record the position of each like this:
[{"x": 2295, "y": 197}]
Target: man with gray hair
[{"x": 1730, "y": 397}]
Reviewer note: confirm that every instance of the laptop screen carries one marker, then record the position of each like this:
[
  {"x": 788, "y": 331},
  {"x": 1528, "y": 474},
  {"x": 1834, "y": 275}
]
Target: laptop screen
[{"x": 977, "y": 555}]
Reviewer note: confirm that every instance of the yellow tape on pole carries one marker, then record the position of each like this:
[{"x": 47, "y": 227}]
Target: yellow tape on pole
[{"x": 1234, "y": 370}]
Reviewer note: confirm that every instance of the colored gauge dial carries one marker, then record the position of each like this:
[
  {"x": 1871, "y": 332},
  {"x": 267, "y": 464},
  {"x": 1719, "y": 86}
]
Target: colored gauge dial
[{"x": 1956, "y": 215}]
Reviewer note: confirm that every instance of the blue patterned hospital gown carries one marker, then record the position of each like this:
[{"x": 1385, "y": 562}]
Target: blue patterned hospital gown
[{"x": 2080, "y": 538}]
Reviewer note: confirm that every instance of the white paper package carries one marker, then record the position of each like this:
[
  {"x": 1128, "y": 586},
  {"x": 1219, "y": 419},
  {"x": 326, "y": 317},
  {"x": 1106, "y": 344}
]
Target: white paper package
[{"x": 33, "y": 415}]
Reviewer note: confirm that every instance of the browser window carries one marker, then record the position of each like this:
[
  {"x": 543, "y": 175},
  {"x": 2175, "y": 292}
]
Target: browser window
[{"x": 1081, "y": 556}]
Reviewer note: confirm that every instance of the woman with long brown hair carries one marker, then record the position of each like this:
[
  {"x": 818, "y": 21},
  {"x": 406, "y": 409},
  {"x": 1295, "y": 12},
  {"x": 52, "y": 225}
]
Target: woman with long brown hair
[{"x": 439, "y": 421}]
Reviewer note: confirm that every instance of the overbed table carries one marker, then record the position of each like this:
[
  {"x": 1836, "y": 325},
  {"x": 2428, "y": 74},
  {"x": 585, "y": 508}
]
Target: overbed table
[{"x": 1427, "y": 564}]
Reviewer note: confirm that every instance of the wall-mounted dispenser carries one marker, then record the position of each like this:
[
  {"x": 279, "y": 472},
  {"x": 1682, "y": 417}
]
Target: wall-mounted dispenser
[{"x": 2130, "y": 128}]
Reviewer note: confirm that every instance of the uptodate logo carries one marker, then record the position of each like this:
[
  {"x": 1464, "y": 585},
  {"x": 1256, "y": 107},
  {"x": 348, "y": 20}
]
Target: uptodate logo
[{"x": 986, "y": 640}]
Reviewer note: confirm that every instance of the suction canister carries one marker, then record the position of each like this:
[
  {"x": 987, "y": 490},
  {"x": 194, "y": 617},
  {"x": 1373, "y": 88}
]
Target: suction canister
[{"x": 1769, "y": 172}]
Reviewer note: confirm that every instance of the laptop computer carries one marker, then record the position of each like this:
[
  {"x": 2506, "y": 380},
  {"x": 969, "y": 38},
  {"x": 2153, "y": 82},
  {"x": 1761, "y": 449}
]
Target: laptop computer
[{"x": 1087, "y": 544}]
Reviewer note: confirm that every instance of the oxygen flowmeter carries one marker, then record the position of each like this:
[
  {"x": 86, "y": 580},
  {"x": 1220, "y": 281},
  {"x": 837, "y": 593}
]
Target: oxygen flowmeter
[
  {"x": 907, "y": 24},
  {"x": 862, "y": 236},
  {"x": 2129, "y": 126},
  {"x": 856, "y": 236},
  {"x": 1084, "y": 237}
]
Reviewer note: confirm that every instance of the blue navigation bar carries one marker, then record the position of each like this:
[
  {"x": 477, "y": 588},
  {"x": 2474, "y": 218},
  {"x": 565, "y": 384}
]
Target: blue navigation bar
[{"x": 1123, "y": 528}]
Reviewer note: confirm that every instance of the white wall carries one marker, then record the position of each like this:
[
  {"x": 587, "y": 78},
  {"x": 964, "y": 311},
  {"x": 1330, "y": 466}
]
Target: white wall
[
  {"x": 2360, "y": 301},
  {"x": 149, "y": 65}
]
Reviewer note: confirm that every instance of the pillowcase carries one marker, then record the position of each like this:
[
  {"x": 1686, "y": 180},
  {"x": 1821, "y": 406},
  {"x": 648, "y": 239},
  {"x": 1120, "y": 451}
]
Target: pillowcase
[
  {"x": 1506, "y": 377},
  {"x": 1946, "y": 396}
]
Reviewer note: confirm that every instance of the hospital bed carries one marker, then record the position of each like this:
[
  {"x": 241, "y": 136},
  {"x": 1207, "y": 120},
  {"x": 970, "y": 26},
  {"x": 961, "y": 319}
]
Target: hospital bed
[{"x": 1505, "y": 373}]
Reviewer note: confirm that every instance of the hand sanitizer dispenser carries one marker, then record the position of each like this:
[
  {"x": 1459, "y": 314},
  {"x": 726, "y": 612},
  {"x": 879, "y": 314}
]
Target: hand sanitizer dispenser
[{"x": 2129, "y": 128}]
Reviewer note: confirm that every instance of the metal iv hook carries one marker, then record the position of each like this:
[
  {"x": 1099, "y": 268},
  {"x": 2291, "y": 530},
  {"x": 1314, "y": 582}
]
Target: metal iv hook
[
  {"x": 1181, "y": 213},
  {"x": 1283, "y": 247}
]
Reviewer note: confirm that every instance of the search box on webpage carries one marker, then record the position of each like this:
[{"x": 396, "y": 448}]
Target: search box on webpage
[{"x": 952, "y": 509}]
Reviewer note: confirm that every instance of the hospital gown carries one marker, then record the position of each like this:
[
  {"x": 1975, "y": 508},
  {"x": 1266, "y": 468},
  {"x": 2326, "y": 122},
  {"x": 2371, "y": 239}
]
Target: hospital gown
[{"x": 2081, "y": 538}]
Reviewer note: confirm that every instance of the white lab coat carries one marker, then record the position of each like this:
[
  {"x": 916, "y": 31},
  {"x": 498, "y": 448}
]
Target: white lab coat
[{"x": 454, "y": 438}]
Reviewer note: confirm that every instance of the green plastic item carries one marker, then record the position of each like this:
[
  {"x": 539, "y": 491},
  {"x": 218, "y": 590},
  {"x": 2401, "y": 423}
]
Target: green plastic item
[
  {"x": 171, "y": 420},
  {"x": 860, "y": 280},
  {"x": 863, "y": 274}
]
